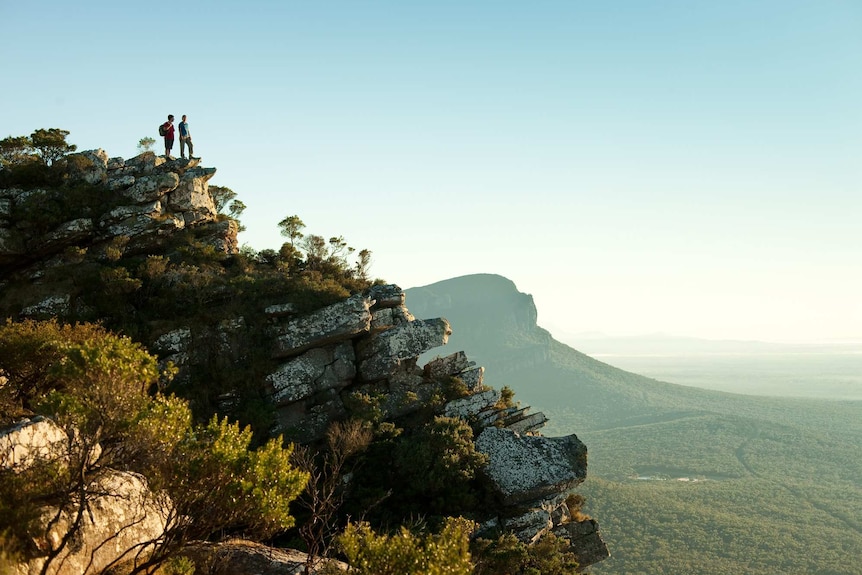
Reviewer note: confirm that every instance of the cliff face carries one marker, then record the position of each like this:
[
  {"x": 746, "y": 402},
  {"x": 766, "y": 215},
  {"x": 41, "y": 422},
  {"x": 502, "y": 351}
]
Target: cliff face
[{"x": 311, "y": 366}]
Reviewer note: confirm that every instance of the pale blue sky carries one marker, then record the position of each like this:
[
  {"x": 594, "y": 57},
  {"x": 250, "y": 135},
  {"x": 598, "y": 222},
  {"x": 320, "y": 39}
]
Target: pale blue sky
[{"x": 688, "y": 167}]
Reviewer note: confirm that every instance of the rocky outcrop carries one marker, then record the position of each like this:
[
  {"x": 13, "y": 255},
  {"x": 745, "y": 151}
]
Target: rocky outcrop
[
  {"x": 145, "y": 199},
  {"x": 525, "y": 467},
  {"x": 319, "y": 365}
]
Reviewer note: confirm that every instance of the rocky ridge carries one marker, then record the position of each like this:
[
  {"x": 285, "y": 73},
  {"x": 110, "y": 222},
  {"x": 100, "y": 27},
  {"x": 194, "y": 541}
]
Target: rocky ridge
[{"x": 366, "y": 345}]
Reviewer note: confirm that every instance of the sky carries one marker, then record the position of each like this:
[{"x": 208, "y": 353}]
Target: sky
[{"x": 687, "y": 167}]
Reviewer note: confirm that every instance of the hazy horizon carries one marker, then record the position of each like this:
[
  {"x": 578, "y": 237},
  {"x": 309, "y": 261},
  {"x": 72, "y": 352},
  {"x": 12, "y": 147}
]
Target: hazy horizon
[{"x": 683, "y": 167}]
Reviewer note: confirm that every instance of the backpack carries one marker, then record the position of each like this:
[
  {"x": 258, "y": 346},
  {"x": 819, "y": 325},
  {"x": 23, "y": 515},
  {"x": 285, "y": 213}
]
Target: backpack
[{"x": 162, "y": 130}]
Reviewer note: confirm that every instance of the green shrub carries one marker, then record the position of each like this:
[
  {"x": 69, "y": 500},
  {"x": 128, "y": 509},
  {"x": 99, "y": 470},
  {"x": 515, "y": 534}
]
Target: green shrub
[
  {"x": 506, "y": 555},
  {"x": 406, "y": 553}
]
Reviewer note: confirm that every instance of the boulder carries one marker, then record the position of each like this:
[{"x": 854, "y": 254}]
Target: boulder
[
  {"x": 150, "y": 188},
  {"x": 338, "y": 322},
  {"x": 238, "y": 557},
  {"x": 386, "y": 296},
  {"x": 389, "y": 317},
  {"x": 30, "y": 441},
  {"x": 384, "y": 352},
  {"x": 321, "y": 368},
  {"x": 525, "y": 468},
  {"x": 192, "y": 198},
  {"x": 450, "y": 365},
  {"x": 123, "y": 518},
  {"x": 472, "y": 405},
  {"x": 90, "y": 166},
  {"x": 144, "y": 163},
  {"x": 586, "y": 541}
]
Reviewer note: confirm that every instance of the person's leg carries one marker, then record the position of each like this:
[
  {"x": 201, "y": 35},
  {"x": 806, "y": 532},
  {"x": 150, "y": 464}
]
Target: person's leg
[
  {"x": 183, "y": 148},
  {"x": 191, "y": 149}
]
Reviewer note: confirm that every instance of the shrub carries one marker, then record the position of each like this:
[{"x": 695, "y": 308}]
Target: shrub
[{"x": 406, "y": 553}]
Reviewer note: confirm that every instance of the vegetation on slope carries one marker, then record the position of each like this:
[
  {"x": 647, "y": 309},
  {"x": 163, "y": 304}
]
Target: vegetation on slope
[{"x": 223, "y": 474}]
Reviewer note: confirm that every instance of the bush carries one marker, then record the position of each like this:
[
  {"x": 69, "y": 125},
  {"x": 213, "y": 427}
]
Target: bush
[
  {"x": 405, "y": 553},
  {"x": 508, "y": 556},
  {"x": 95, "y": 384}
]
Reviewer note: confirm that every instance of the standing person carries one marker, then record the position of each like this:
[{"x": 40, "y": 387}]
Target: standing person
[
  {"x": 169, "y": 136},
  {"x": 185, "y": 138}
]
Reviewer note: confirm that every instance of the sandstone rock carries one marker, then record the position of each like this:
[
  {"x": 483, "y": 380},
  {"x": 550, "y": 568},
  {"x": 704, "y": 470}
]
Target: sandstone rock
[
  {"x": 239, "y": 557},
  {"x": 123, "y": 516},
  {"x": 469, "y": 406},
  {"x": 5, "y": 208},
  {"x": 531, "y": 525},
  {"x": 55, "y": 305},
  {"x": 144, "y": 163},
  {"x": 222, "y": 236},
  {"x": 11, "y": 245},
  {"x": 280, "y": 310},
  {"x": 151, "y": 188},
  {"x": 334, "y": 323},
  {"x": 386, "y": 296},
  {"x": 116, "y": 163},
  {"x": 92, "y": 170},
  {"x": 384, "y": 352},
  {"x": 120, "y": 182},
  {"x": 32, "y": 440},
  {"x": 192, "y": 198},
  {"x": 450, "y": 365},
  {"x": 473, "y": 378},
  {"x": 586, "y": 541},
  {"x": 523, "y": 422},
  {"x": 316, "y": 370},
  {"x": 390, "y": 316},
  {"x": 174, "y": 341},
  {"x": 121, "y": 213},
  {"x": 67, "y": 234},
  {"x": 525, "y": 468}
]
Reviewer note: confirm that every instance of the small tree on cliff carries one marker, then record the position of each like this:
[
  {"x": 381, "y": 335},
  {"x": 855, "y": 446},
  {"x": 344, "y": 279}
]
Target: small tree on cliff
[
  {"x": 51, "y": 144},
  {"x": 291, "y": 228},
  {"x": 16, "y": 150},
  {"x": 146, "y": 144}
]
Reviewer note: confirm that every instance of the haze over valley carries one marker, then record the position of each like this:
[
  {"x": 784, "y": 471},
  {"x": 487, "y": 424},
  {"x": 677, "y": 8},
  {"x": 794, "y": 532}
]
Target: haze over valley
[{"x": 830, "y": 370}]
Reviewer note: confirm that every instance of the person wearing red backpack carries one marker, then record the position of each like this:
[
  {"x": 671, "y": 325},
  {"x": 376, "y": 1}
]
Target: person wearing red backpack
[{"x": 168, "y": 132}]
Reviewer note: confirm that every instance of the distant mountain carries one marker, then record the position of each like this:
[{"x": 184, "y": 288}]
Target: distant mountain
[
  {"x": 496, "y": 325},
  {"x": 685, "y": 480}
]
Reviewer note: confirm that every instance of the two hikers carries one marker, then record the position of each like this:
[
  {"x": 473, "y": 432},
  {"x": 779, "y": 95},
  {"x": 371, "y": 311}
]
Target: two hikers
[{"x": 167, "y": 130}]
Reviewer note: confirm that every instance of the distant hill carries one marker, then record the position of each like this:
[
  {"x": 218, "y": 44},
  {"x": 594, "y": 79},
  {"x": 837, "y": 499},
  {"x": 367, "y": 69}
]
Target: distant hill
[
  {"x": 685, "y": 480},
  {"x": 496, "y": 325}
]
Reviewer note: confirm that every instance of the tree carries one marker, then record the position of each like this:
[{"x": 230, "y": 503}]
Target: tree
[
  {"x": 51, "y": 144},
  {"x": 221, "y": 196},
  {"x": 15, "y": 150},
  {"x": 146, "y": 144},
  {"x": 236, "y": 209},
  {"x": 316, "y": 251},
  {"x": 291, "y": 228},
  {"x": 363, "y": 263},
  {"x": 95, "y": 385}
]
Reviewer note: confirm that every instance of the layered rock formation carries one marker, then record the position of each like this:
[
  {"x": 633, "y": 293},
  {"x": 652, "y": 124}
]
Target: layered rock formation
[
  {"x": 146, "y": 198},
  {"x": 368, "y": 345}
]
